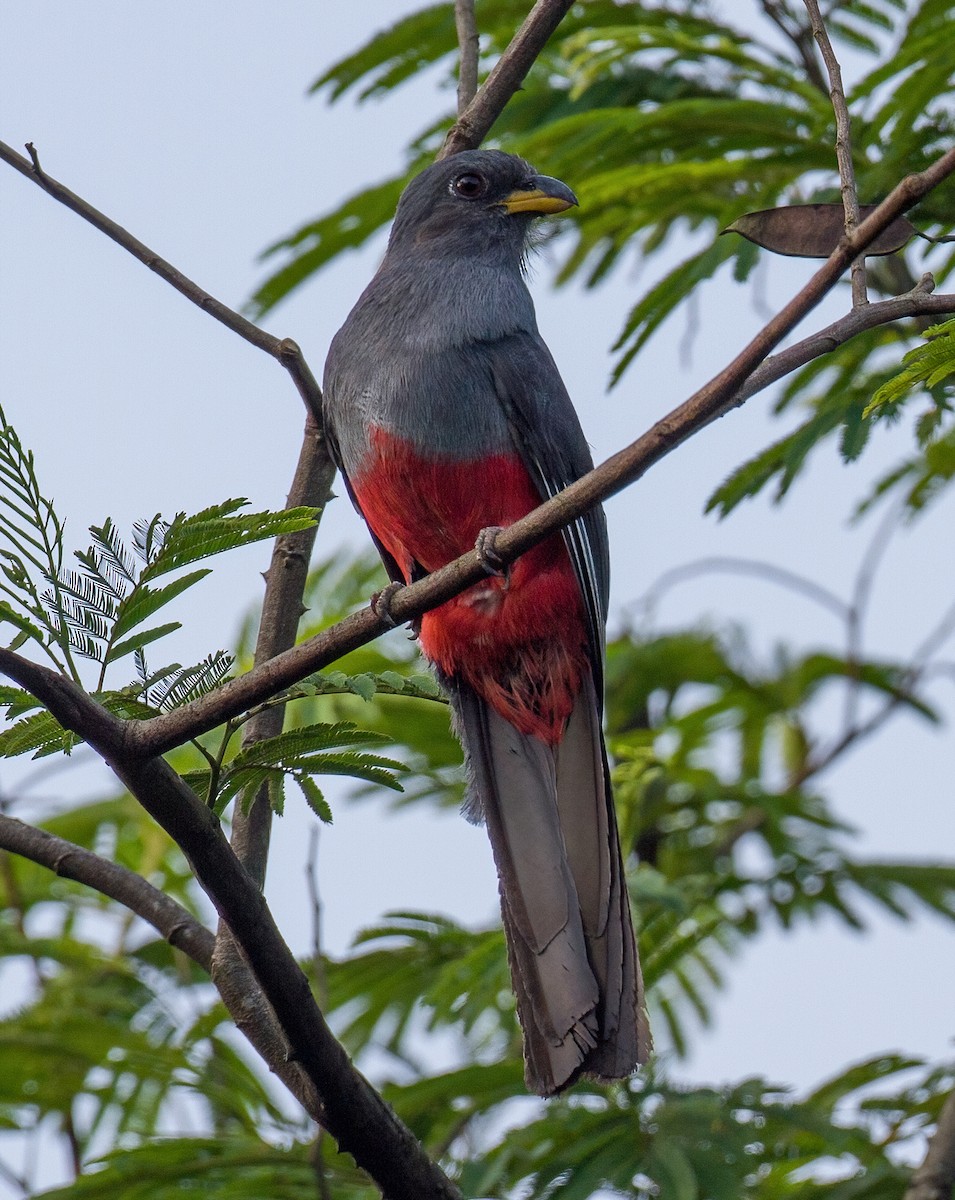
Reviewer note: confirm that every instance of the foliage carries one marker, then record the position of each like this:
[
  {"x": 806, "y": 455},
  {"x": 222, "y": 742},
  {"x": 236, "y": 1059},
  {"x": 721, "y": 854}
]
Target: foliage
[
  {"x": 99, "y": 612},
  {"x": 714, "y": 786},
  {"x": 672, "y": 121}
]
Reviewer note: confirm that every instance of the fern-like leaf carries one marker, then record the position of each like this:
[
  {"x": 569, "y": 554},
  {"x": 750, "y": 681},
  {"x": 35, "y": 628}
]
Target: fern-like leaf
[
  {"x": 179, "y": 685},
  {"x": 218, "y": 528},
  {"x": 40, "y": 734}
]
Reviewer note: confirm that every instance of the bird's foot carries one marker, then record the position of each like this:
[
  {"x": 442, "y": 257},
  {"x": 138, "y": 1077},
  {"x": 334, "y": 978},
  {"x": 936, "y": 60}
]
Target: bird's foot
[
  {"x": 381, "y": 603},
  {"x": 488, "y": 556}
]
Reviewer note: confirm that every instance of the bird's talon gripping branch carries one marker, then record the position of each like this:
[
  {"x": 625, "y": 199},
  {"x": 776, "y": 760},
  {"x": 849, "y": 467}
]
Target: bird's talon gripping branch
[
  {"x": 489, "y": 558},
  {"x": 381, "y": 603}
]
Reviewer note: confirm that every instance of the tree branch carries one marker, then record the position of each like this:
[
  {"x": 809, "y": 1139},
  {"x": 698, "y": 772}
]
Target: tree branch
[
  {"x": 361, "y": 1122},
  {"x": 935, "y": 1178},
  {"x": 468, "y": 44},
  {"x": 180, "y": 929},
  {"x": 728, "y": 565},
  {"x": 251, "y": 827},
  {"x": 473, "y": 124},
  {"x": 171, "y": 920},
  {"x": 278, "y": 626},
  {"x": 801, "y": 38},
  {"x": 283, "y": 349},
  {"x": 919, "y": 303},
  {"x": 847, "y": 175}
]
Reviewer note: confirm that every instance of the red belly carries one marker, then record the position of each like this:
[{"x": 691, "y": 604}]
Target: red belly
[{"x": 520, "y": 643}]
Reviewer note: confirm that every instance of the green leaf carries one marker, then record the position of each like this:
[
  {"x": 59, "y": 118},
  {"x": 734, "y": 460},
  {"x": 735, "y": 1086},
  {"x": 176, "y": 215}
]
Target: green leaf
[
  {"x": 314, "y": 798},
  {"x": 146, "y": 636},
  {"x": 10, "y": 615},
  {"x": 143, "y": 601},
  {"x": 317, "y": 243},
  {"x": 924, "y": 366},
  {"x": 180, "y": 685},
  {"x": 219, "y": 528},
  {"x": 39, "y": 733},
  {"x": 661, "y": 300}
]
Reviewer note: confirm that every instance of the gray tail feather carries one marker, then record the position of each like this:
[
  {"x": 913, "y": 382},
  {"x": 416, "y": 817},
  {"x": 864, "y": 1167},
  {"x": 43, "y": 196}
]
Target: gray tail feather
[{"x": 553, "y": 831}]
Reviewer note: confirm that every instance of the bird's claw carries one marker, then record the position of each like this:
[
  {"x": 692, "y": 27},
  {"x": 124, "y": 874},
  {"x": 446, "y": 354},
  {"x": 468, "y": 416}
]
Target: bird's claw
[
  {"x": 488, "y": 556},
  {"x": 381, "y": 603}
]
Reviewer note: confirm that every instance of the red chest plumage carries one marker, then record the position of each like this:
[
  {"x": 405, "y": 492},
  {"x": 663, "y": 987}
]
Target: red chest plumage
[{"x": 521, "y": 643}]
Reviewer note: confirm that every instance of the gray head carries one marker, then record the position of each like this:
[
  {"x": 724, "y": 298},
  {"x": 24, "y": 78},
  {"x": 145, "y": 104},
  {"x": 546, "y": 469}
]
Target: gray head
[{"x": 473, "y": 202}]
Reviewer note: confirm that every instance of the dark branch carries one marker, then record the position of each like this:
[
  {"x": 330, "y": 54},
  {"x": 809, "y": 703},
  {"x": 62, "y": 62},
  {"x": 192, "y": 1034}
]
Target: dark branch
[
  {"x": 171, "y": 920},
  {"x": 354, "y": 1114},
  {"x": 251, "y": 828},
  {"x": 918, "y": 303},
  {"x": 278, "y": 626},
  {"x": 468, "y": 46},
  {"x": 801, "y": 37},
  {"x": 472, "y": 126}
]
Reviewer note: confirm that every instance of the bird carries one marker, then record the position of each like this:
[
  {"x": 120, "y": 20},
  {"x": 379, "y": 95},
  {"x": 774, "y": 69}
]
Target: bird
[{"x": 448, "y": 420}]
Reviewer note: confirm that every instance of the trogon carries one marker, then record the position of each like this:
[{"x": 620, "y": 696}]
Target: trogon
[{"x": 448, "y": 419}]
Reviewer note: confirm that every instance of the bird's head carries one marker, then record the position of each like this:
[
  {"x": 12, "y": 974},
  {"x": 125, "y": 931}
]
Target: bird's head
[{"x": 475, "y": 202}]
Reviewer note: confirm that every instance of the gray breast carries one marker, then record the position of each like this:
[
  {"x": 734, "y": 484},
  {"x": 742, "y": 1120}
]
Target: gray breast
[{"x": 411, "y": 359}]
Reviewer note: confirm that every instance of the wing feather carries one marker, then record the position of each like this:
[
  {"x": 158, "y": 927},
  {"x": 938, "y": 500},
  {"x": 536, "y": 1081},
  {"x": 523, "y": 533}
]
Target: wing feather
[{"x": 549, "y": 439}]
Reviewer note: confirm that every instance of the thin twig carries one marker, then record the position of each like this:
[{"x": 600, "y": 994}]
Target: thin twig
[
  {"x": 745, "y": 566},
  {"x": 847, "y": 175},
  {"x": 468, "y": 52},
  {"x": 801, "y": 38},
  {"x": 861, "y": 594},
  {"x": 20, "y": 1182},
  {"x": 473, "y": 124},
  {"x": 919, "y": 665},
  {"x": 918, "y": 303},
  {"x": 315, "y": 900}
]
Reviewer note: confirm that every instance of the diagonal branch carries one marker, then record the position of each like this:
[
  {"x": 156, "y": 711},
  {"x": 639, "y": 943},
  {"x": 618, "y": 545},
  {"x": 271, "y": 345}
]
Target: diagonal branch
[
  {"x": 801, "y": 38},
  {"x": 178, "y": 927},
  {"x": 358, "y": 1118},
  {"x": 920, "y": 302},
  {"x": 473, "y": 125}
]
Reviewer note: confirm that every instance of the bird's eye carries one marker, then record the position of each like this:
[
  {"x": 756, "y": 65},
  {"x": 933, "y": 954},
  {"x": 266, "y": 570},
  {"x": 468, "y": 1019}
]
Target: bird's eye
[{"x": 469, "y": 186}]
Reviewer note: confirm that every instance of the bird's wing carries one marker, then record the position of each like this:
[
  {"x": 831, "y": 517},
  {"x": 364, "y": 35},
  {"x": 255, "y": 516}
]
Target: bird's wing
[{"x": 551, "y": 443}]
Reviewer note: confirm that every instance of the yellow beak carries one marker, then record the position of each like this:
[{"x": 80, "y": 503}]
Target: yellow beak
[{"x": 540, "y": 195}]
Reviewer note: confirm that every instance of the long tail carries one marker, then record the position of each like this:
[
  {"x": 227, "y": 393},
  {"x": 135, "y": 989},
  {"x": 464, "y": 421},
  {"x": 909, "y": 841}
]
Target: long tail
[{"x": 553, "y": 831}]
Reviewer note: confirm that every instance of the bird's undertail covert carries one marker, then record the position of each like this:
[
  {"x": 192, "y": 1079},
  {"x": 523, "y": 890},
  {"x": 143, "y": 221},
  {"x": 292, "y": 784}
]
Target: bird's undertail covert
[{"x": 563, "y": 896}]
